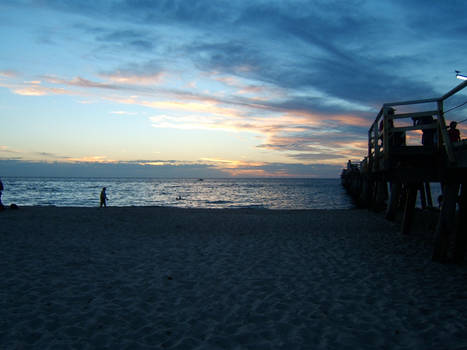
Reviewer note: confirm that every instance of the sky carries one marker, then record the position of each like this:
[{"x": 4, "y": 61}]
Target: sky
[{"x": 206, "y": 88}]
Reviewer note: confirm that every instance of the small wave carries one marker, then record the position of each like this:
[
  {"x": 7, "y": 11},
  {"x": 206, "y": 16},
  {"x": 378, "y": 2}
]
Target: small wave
[
  {"x": 218, "y": 202},
  {"x": 252, "y": 206}
]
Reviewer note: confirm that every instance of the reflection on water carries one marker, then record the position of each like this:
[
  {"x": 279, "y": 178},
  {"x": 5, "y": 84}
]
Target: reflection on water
[{"x": 210, "y": 193}]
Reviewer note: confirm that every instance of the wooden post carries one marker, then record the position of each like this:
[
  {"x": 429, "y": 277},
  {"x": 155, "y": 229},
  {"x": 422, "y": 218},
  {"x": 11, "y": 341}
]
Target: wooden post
[
  {"x": 370, "y": 193},
  {"x": 428, "y": 194},
  {"x": 372, "y": 185},
  {"x": 421, "y": 188},
  {"x": 393, "y": 200},
  {"x": 381, "y": 194},
  {"x": 446, "y": 223},
  {"x": 409, "y": 208},
  {"x": 461, "y": 233},
  {"x": 363, "y": 199},
  {"x": 385, "y": 135},
  {"x": 445, "y": 138}
]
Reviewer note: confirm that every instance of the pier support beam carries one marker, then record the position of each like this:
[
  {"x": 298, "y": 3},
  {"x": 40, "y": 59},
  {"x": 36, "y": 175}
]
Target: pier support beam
[
  {"x": 446, "y": 223},
  {"x": 460, "y": 246},
  {"x": 380, "y": 195},
  {"x": 365, "y": 194},
  {"x": 411, "y": 196},
  {"x": 422, "y": 195},
  {"x": 428, "y": 194},
  {"x": 394, "y": 200}
]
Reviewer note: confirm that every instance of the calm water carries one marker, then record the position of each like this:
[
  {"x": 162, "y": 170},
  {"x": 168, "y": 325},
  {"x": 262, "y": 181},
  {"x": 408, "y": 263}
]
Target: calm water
[{"x": 209, "y": 193}]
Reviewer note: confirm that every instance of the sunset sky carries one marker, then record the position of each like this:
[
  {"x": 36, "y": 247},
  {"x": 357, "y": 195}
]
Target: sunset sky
[{"x": 213, "y": 88}]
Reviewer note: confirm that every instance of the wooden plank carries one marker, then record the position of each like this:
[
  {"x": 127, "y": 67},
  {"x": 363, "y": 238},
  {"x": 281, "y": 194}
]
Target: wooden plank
[
  {"x": 416, "y": 127},
  {"x": 414, "y": 115}
]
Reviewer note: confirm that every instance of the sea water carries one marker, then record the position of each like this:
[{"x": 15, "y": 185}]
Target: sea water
[{"x": 186, "y": 193}]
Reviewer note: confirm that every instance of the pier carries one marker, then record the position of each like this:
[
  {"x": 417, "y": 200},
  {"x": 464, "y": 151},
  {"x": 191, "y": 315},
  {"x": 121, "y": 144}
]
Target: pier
[{"x": 409, "y": 147}]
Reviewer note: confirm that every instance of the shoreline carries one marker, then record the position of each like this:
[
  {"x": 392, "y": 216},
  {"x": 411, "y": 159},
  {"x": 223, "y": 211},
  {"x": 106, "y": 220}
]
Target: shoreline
[{"x": 175, "y": 278}]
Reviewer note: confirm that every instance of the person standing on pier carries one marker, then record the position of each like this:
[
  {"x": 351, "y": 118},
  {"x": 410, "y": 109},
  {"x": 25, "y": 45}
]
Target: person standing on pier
[
  {"x": 428, "y": 135},
  {"x": 454, "y": 134},
  {"x": 103, "y": 198}
]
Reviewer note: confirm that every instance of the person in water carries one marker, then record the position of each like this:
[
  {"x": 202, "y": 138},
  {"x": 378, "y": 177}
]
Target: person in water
[{"x": 103, "y": 198}]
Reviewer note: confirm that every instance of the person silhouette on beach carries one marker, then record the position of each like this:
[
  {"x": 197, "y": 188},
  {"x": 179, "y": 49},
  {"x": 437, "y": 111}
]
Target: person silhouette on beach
[
  {"x": 1, "y": 190},
  {"x": 103, "y": 198}
]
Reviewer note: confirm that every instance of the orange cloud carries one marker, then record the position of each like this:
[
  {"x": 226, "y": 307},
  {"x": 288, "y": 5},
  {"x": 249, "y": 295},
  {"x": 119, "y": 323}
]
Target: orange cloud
[
  {"x": 40, "y": 91},
  {"x": 351, "y": 120},
  {"x": 90, "y": 159},
  {"x": 8, "y": 74},
  {"x": 136, "y": 79},
  {"x": 205, "y": 107}
]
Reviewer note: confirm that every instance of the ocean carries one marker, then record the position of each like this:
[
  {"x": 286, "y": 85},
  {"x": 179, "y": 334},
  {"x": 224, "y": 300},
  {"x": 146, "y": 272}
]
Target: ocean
[{"x": 194, "y": 193}]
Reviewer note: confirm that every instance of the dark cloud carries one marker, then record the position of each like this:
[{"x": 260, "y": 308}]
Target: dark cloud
[
  {"x": 122, "y": 169},
  {"x": 335, "y": 47},
  {"x": 327, "y": 57},
  {"x": 129, "y": 38},
  {"x": 51, "y": 155},
  {"x": 315, "y": 156},
  {"x": 167, "y": 170},
  {"x": 298, "y": 170},
  {"x": 140, "y": 69},
  {"x": 224, "y": 56}
]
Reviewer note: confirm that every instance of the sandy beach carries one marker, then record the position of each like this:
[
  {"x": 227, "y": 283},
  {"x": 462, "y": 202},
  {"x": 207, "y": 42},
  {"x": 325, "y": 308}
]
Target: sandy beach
[{"x": 166, "y": 278}]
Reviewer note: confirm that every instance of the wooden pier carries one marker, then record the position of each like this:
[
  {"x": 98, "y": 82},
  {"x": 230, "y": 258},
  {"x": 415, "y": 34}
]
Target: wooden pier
[{"x": 397, "y": 169}]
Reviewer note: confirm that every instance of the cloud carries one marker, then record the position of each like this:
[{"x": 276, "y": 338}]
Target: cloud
[
  {"x": 82, "y": 82},
  {"x": 171, "y": 169},
  {"x": 40, "y": 91},
  {"x": 128, "y": 38},
  {"x": 6, "y": 149},
  {"x": 291, "y": 119},
  {"x": 8, "y": 74},
  {"x": 307, "y": 77},
  {"x": 123, "y": 113},
  {"x": 135, "y": 78}
]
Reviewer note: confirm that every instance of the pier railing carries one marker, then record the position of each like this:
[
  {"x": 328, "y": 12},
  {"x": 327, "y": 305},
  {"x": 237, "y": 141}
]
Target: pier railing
[
  {"x": 396, "y": 168},
  {"x": 386, "y": 139}
]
